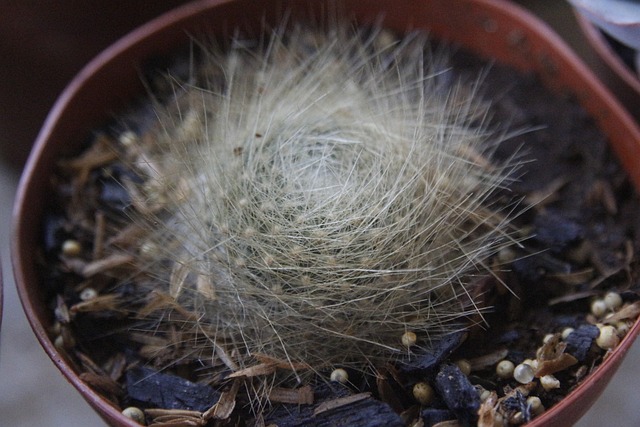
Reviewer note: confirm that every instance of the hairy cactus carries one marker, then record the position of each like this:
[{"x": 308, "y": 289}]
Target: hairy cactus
[{"x": 314, "y": 198}]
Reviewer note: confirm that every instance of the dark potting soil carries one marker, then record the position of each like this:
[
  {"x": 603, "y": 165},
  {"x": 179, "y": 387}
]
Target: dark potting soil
[{"x": 580, "y": 237}]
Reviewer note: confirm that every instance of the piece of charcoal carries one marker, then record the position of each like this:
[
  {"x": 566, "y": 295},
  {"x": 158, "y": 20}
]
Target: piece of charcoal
[
  {"x": 364, "y": 412},
  {"x": 114, "y": 196},
  {"x": 432, "y": 416},
  {"x": 148, "y": 388},
  {"x": 427, "y": 360},
  {"x": 556, "y": 232},
  {"x": 580, "y": 340},
  {"x": 518, "y": 403},
  {"x": 367, "y": 412},
  {"x": 457, "y": 392}
]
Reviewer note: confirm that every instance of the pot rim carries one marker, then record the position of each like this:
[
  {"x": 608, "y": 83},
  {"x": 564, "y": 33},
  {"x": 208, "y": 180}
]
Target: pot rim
[{"x": 26, "y": 217}]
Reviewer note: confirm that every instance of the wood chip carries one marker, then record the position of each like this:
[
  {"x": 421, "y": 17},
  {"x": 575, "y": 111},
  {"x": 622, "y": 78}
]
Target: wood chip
[
  {"x": 602, "y": 193},
  {"x": 175, "y": 418},
  {"x": 280, "y": 364},
  {"x": 116, "y": 366},
  {"x": 88, "y": 364},
  {"x": 181, "y": 422},
  {"x": 100, "y": 153},
  {"x": 99, "y": 235},
  {"x": 102, "y": 383},
  {"x": 297, "y": 396},
  {"x": 107, "y": 302},
  {"x": 339, "y": 402},
  {"x": 540, "y": 198},
  {"x": 106, "y": 264},
  {"x": 488, "y": 360},
  {"x": 147, "y": 339},
  {"x": 627, "y": 312},
  {"x": 552, "y": 348},
  {"x": 255, "y": 371},
  {"x": 575, "y": 277},
  {"x": 560, "y": 363},
  {"x": 75, "y": 265},
  {"x": 159, "y": 412},
  {"x": 127, "y": 237},
  {"x": 162, "y": 301},
  {"x": 225, "y": 405}
]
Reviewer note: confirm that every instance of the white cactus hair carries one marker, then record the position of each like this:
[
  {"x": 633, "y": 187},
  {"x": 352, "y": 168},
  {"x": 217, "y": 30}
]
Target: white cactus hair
[{"x": 313, "y": 198}]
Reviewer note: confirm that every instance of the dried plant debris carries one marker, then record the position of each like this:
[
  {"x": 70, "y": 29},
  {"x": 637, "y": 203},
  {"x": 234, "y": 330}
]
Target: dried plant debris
[{"x": 304, "y": 231}]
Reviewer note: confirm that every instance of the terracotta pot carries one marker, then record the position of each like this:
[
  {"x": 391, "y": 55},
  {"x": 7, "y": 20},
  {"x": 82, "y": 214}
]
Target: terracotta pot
[
  {"x": 617, "y": 75},
  {"x": 490, "y": 28}
]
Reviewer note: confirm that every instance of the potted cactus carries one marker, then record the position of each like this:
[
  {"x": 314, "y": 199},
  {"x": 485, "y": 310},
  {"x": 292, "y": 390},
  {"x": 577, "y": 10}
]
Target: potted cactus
[{"x": 306, "y": 226}]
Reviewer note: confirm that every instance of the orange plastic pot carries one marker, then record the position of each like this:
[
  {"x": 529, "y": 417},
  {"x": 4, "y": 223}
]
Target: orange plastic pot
[{"x": 493, "y": 29}]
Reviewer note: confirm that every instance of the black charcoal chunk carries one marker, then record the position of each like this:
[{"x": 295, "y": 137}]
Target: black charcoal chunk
[
  {"x": 458, "y": 393},
  {"x": 580, "y": 340},
  {"x": 556, "y": 232},
  {"x": 518, "y": 403},
  {"x": 114, "y": 196},
  {"x": 367, "y": 412},
  {"x": 432, "y": 416},
  {"x": 148, "y": 388},
  {"x": 427, "y": 360}
]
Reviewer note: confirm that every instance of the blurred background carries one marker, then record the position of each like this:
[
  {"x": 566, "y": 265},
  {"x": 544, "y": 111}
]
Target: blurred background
[{"x": 42, "y": 46}]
